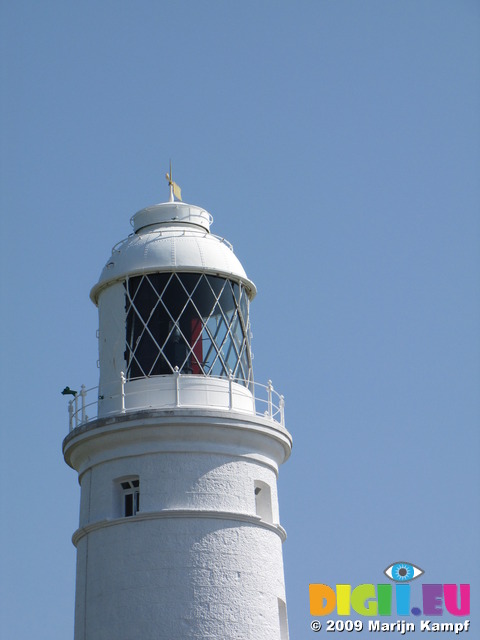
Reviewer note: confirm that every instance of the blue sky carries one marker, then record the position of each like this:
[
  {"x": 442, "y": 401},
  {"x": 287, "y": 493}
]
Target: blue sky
[{"x": 337, "y": 145}]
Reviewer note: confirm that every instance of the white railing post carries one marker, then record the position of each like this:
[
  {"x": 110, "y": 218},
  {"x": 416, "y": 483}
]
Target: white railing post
[
  {"x": 70, "y": 415},
  {"x": 75, "y": 400},
  {"x": 176, "y": 374},
  {"x": 83, "y": 393},
  {"x": 123, "y": 380},
  {"x": 269, "y": 390},
  {"x": 230, "y": 389},
  {"x": 282, "y": 411}
]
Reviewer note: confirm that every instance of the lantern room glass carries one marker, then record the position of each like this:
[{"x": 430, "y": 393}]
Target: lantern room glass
[{"x": 196, "y": 322}]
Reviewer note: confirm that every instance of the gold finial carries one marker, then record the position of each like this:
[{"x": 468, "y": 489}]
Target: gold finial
[{"x": 175, "y": 191}]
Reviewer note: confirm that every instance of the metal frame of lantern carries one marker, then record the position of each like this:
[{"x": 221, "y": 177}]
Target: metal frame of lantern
[{"x": 198, "y": 323}]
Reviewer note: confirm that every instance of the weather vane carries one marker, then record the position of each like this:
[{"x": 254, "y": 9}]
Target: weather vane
[{"x": 175, "y": 191}]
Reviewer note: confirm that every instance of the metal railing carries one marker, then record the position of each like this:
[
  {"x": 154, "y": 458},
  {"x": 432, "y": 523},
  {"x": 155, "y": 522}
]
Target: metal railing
[{"x": 266, "y": 402}]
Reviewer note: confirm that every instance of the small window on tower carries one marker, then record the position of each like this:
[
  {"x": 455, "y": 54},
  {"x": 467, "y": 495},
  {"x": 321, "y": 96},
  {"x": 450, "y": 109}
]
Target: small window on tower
[
  {"x": 131, "y": 496},
  {"x": 282, "y": 615},
  {"x": 263, "y": 501}
]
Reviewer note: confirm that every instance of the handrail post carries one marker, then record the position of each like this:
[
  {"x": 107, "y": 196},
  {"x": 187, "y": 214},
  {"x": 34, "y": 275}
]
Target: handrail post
[
  {"x": 176, "y": 374},
  {"x": 230, "y": 389},
  {"x": 123, "y": 380},
  {"x": 70, "y": 415},
  {"x": 83, "y": 393},
  {"x": 75, "y": 400},
  {"x": 282, "y": 411},
  {"x": 269, "y": 390}
]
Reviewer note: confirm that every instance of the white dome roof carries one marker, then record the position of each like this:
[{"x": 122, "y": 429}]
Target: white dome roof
[{"x": 172, "y": 236}]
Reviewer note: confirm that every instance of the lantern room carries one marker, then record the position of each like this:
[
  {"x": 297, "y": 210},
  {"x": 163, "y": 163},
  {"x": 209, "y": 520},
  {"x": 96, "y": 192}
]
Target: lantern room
[{"x": 173, "y": 299}]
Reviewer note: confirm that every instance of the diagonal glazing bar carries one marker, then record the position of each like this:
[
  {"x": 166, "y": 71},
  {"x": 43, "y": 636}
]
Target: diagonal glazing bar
[{"x": 185, "y": 320}]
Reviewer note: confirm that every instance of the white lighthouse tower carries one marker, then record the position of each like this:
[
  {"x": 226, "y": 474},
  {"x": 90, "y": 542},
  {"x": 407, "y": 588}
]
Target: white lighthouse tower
[{"x": 178, "y": 450}]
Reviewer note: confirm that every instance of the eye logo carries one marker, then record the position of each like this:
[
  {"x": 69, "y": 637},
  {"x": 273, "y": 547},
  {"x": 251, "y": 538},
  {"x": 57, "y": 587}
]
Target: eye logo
[{"x": 403, "y": 572}]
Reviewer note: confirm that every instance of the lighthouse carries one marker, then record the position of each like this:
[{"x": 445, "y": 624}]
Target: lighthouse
[{"x": 178, "y": 448}]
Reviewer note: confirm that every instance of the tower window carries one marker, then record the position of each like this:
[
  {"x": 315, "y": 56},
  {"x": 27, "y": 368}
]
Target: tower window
[
  {"x": 282, "y": 615},
  {"x": 131, "y": 497},
  {"x": 263, "y": 501}
]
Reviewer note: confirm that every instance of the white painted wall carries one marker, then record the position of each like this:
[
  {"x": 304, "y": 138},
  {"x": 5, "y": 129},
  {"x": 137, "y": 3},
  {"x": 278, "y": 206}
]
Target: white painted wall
[
  {"x": 111, "y": 340},
  {"x": 180, "y": 578},
  {"x": 177, "y": 480},
  {"x": 197, "y": 561}
]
